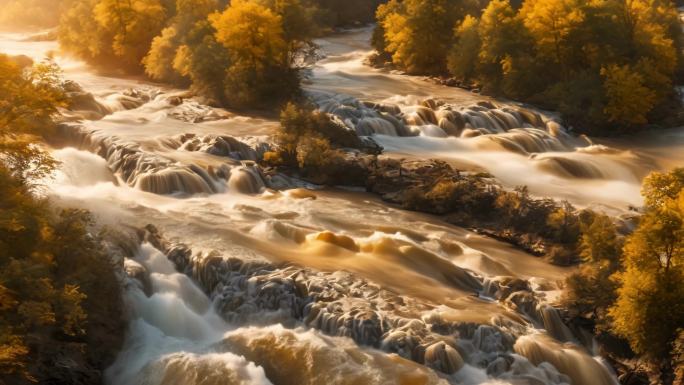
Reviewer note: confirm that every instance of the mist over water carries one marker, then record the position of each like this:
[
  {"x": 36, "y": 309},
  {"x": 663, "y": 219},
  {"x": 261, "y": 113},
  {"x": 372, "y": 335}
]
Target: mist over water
[{"x": 331, "y": 286}]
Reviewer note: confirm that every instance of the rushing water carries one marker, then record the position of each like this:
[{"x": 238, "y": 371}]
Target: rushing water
[{"x": 332, "y": 286}]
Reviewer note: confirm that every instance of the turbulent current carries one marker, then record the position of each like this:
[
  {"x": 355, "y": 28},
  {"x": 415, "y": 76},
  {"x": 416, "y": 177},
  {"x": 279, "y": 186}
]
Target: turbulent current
[{"x": 239, "y": 275}]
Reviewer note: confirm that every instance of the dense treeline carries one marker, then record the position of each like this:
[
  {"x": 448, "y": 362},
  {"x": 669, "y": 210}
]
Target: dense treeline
[
  {"x": 607, "y": 66},
  {"x": 344, "y": 13},
  {"x": 632, "y": 286},
  {"x": 245, "y": 54},
  {"x": 59, "y": 296}
]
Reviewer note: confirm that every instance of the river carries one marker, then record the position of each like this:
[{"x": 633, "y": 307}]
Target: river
[{"x": 312, "y": 286}]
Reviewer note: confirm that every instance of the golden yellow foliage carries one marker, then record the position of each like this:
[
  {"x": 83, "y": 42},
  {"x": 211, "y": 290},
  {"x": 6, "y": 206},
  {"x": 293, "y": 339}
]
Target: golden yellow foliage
[
  {"x": 498, "y": 27},
  {"x": 314, "y": 152},
  {"x": 133, "y": 24},
  {"x": 48, "y": 263},
  {"x": 551, "y": 22},
  {"x": 658, "y": 187},
  {"x": 169, "y": 56},
  {"x": 70, "y": 303},
  {"x": 604, "y": 65},
  {"x": 28, "y": 99},
  {"x": 599, "y": 242},
  {"x": 650, "y": 304},
  {"x": 159, "y": 62},
  {"x": 417, "y": 33},
  {"x": 13, "y": 352},
  {"x": 628, "y": 98},
  {"x": 462, "y": 59},
  {"x": 260, "y": 70},
  {"x": 252, "y": 33}
]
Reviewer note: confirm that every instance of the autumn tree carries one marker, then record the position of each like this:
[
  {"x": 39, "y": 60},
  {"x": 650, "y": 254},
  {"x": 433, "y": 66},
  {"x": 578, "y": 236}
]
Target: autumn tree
[
  {"x": 57, "y": 284},
  {"x": 243, "y": 54},
  {"x": 659, "y": 187},
  {"x": 650, "y": 304},
  {"x": 296, "y": 122},
  {"x": 606, "y": 66},
  {"x": 591, "y": 289},
  {"x": 132, "y": 25},
  {"x": 628, "y": 100},
  {"x": 298, "y": 20},
  {"x": 81, "y": 35},
  {"x": 203, "y": 60},
  {"x": 599, "y": 242},
  {"x": 462, "y": 60},
  {"x": 341, "y": 13},
  {"x": 308, "y": 139},
  {"x": 28, "y": 99},
  {"x": 111, "y": 33},
  {"x": 501, "y": 34},
  {"x": 161, "y": 56},
  {"x": 552, "y": 24},
  {"x": 260, "y": 70},
  {"x": 418, "y": 33},
  {"x": 167, "y": 57}
]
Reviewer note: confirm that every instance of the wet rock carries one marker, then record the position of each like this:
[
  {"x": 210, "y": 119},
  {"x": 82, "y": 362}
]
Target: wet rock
[
  {"x": 470, "y": 133},
  {"x": 139, "y": 274},
  {"x": 486, "y": 104},
  {"x": 180, "y": 256},
  {"x": 338, "y": 304},
  {"x": 500, "y": 365},
  {"x": 523, "y": 302},
  {"x": 82, "y": 101},
  {"x": 175, "y": 100},
  {"x": 490, "y": 339},
  {"x": 634, "y": 378},
  {"x": 384, "y": 107},
  {"x": 443, "y": 357},
  {"x": 151, "y": 172},
  {"x": 508, "y": 285},
  {"x": 429, "y": 103},
  {"x": 531, "y": 117},
  {"x": 192, "y": 111},
  {"x": 342, "y": 304}
]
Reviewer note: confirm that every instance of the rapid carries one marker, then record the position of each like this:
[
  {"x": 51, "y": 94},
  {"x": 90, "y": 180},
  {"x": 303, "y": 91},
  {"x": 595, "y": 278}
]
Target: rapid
[{"x": 246, "y": 276}]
